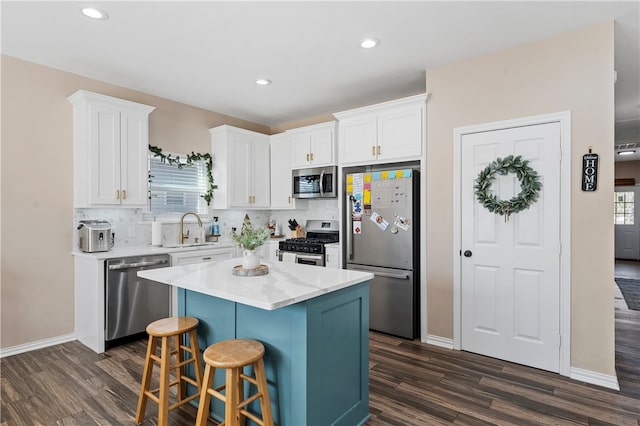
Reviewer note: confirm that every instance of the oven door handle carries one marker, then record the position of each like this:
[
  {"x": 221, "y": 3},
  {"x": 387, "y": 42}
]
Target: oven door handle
[{"x": 309, "y": 256}]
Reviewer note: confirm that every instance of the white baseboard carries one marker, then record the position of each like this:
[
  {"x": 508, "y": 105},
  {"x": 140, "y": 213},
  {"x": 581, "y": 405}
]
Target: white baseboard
[
  {"x": 594, "y": 378},
  {"x": 26, "y": 347},
  {"x": 443, "y": 342}
]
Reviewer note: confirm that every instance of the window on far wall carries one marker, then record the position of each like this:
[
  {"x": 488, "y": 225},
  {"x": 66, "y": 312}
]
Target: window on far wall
[
  {"x": 176, "y": 190},
  {"x": 624, "y": 208}
]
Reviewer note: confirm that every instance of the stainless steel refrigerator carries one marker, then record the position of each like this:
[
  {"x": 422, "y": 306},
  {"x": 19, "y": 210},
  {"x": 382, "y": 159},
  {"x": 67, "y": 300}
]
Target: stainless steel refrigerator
[{"x": 382, "y": 229}]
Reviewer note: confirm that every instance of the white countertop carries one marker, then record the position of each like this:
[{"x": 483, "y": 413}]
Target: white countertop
[
  {"x": 150, "y": 250},
  {"x": 284, "y": 285}
]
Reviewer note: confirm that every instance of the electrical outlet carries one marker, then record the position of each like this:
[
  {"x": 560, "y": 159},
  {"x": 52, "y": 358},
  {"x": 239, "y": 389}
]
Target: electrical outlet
[{"x": 132, "y": 231}]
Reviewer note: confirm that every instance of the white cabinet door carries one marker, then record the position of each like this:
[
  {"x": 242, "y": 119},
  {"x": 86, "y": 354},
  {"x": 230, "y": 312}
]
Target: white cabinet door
[
  {"x": 270, "y": 251},
  {"x": 358, "y": 139},
  {"x": 241, "y": 168},
  {"x": 313, "y": 146},
  {"x": 332, "y": 256},
  {"x": 239, "y": 159},
  {"x": 134, "y": 148},
  {"x": 300, "y": 151},
  {"x": 400, "y": 134},
  {"x": 260, "y": 182},
  {"x": 281, "y": 182},
  {"x": 104, "y": 145}
]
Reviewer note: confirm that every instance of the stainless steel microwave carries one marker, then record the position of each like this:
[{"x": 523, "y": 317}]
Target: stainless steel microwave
[{"x": 318, "y": 182}]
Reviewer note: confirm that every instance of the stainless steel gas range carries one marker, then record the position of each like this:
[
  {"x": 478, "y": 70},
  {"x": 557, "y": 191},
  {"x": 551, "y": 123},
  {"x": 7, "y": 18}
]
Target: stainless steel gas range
[{"x": 310, "y": 250}]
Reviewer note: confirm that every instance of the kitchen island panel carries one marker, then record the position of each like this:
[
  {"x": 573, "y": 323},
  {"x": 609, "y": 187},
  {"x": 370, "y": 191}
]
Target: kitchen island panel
[{"x": 316, "y": 352}]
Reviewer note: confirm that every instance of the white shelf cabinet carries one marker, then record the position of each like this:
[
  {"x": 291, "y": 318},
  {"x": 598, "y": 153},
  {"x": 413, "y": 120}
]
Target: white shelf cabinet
[
  {"x": 388, "y": 132},
  {"x": 313, "y": 146},
  {"x": 110, "y": 150},
  {"x": 240, "y": 168},
  {"x": 281, "y": 181}
]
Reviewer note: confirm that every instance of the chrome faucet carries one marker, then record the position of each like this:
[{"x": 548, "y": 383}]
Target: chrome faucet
[{"x": 182, "y": 236}]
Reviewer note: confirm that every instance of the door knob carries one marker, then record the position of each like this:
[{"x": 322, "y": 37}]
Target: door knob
[{"x": 467, "y": 253}]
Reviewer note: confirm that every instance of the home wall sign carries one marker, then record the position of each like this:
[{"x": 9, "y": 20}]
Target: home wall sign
[{"x": 589, "y": 172}]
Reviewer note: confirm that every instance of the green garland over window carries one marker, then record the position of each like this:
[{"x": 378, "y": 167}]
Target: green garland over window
[
  {"x": 529, "y": 183},
  {"x": 191, "y": 158}
]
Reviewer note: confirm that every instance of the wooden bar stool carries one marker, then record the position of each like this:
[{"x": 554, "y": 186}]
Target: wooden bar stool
[
  {"x": 168, "y": 329},
  {"x": 234, "y": 355}
]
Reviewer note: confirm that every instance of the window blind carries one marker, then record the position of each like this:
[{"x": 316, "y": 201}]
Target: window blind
[{"x": 177, "y": 190}]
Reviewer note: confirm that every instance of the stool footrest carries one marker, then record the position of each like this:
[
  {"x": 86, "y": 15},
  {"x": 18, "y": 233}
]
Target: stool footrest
[
  {"x": 184, "y": 401},
  {"x": 250, "y": 400}
]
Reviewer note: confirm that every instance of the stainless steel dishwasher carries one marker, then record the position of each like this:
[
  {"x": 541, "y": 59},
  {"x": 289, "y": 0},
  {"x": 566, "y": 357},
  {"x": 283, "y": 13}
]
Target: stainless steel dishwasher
[{"x": 131, "y": 302}]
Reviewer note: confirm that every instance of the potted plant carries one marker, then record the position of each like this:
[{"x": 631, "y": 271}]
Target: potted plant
[{"x": 249, "y": 239}]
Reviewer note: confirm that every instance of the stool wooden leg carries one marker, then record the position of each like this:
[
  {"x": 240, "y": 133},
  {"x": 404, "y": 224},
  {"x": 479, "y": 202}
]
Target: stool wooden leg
[
  {"x": 146, "y": 380},
  {"x": 180, "y": 372},
  {"x": 197, "y": 357},
  {"x": 205, "y": 398},
  {"x": 231, "y": 411},
  {"x": 265, "y": 403},
  {"x": 163, "y": 397}
]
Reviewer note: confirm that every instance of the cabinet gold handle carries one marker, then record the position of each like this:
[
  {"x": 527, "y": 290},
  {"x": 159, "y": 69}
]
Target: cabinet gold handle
[
  {"x": 307, "y": 157},
  {"x": 124, "y": 194},
  {"x": 379, "y": 150},
  {"x": 373, "y": 150},
  {"x": 117, "y": 194},
  {"x": 289, "y": 200},
  {"x": 312, "y": 156}
]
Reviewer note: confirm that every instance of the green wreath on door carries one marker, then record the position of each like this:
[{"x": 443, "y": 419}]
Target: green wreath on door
[{"x": 529, "y": 182}]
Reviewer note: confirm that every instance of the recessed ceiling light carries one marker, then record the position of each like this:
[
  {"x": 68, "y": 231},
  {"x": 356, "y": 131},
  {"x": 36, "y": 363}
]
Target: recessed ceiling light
[
  {"x": 627, "y": 152},
  {"x": 369, "y": 43},
  {"x": 94, "y": 13},
  {"x": 263, "y": 82}
]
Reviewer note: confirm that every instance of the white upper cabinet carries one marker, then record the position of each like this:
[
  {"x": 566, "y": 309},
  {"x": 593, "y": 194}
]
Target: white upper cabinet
[
  {"x": 240, "y": 168},
  {"x": 110, "y": 149},
  {"x": 313, "y": 146},
  {"x": 281, "y": 181},
  {"x": 387, "y": 132}
]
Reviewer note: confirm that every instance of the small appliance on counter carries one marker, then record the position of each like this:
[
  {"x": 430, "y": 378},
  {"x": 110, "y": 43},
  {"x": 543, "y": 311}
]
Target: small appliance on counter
[{"x": 94, "y": 236}]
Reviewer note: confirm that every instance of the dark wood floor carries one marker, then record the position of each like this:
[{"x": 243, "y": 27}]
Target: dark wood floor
[{"x": 411, "y": 383}]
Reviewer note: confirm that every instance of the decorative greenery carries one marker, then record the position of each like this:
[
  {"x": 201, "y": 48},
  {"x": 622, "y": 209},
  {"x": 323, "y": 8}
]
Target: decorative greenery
[
  {"x": 249, "y": 237},
  {"x": 191, "y": 158},
  {"x": 529, "y": 183}
]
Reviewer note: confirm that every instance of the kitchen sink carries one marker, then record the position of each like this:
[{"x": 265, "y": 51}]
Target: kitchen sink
[{"x": 186, "y": 245}]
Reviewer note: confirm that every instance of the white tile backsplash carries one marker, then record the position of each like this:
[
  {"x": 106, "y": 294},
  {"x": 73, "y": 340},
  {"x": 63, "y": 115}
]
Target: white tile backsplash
[{"x": 125, "y": 220}]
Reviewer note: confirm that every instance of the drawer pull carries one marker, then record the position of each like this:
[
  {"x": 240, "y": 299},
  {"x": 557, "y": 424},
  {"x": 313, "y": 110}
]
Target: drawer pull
[{"x": 206, "y": 258}]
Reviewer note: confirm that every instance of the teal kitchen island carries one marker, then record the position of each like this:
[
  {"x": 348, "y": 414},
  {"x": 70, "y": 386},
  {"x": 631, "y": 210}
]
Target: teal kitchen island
[{"x": 313, "y": 321}]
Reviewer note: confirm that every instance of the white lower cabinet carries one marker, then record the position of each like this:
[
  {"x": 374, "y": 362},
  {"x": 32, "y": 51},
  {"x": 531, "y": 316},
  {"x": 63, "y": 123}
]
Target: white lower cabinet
[
  {"x": 332, "y": 255},
  {"x": 271, "y": 248}
]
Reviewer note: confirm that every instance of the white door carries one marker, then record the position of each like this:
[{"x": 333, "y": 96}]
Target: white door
[
  {"x": 510, "y": 274},
  {"x": 627, "y": 220}
]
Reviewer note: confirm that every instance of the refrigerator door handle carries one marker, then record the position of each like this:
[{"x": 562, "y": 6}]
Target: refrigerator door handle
[
  {"x": 395, "y": 276},
  {"x": 350, "y": 228}
]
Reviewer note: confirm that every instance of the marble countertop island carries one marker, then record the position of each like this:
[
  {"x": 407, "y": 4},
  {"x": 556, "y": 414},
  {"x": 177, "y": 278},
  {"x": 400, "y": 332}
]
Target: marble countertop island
[{"x": 284, "y": 285}]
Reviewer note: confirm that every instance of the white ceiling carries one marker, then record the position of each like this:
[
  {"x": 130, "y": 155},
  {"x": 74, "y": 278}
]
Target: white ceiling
[{"x": 208, "y": 54}]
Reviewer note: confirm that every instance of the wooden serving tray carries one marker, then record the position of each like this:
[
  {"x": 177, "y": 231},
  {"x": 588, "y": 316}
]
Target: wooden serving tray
[{"x": 239, "y": 271}]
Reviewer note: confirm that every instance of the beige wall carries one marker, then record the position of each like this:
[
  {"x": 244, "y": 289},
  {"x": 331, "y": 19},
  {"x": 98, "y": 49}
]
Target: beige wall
[
  {"x": 628, "y": 169},
  {"x": 37, "y": 188},
  {"x": 572, "y": 72}
]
